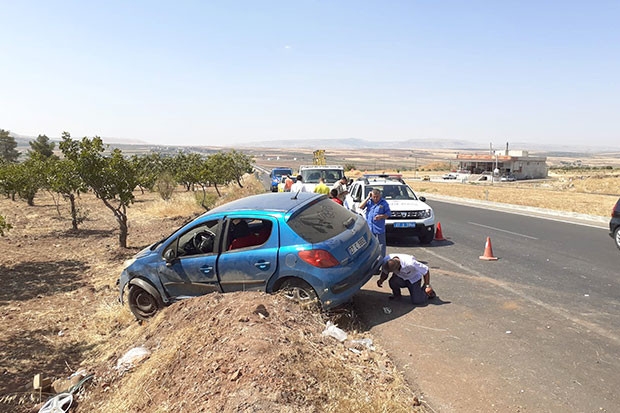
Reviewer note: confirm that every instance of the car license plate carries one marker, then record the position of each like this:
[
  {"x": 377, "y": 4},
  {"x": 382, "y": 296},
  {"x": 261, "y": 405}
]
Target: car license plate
[
  {"x": 404, "y": 224},
  {"x": 359, "y": 244}
]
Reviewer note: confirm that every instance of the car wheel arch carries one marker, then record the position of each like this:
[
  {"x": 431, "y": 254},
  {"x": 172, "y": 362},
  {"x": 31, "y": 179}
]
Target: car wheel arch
[
  {"x": 134, "y": 286},
  {"x": 617, "y": 236},
  {"x": 299, "y": 290}
]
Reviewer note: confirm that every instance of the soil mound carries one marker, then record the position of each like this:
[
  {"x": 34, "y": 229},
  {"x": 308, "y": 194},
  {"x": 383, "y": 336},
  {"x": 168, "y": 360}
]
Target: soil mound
[{"x": 245, "y": 352}]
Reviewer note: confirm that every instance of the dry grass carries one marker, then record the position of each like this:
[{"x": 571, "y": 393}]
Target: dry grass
[{"x": 591, "y": 195}]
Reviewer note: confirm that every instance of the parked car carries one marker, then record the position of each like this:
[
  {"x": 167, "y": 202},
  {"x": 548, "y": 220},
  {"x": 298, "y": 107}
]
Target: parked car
[
  {"x": 410, "y": 213},
  {"x": 614, "y": 224},
  {"x": 304, "y": 244},
  {"x": 507, "y": 178},
  {"x": 450, "y": 175},
  {"x": 276, "y": 175}
]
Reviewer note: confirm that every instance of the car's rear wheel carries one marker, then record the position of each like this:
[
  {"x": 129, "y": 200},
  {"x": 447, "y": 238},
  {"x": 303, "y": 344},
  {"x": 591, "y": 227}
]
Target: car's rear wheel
[
  {"x": 300, "y": 292},
  {"x": 427, "y": 236},
  {"x": 617, "y": 237},
  {"x": 142, "y": 303}
]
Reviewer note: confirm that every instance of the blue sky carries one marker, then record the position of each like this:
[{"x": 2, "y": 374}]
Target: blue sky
[{"x": 225, "y": 72}]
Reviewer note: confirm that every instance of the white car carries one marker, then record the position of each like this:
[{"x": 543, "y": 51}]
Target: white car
[
  {"x": 450, "y": 175},
  {"x": 410, "y": 213}
]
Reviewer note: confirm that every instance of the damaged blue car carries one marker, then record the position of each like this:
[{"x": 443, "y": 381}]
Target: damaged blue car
[{"x": 305, "y": 245}]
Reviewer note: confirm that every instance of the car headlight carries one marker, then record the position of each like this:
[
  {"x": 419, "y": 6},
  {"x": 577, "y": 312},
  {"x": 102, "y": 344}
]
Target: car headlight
[{"x": 128, "y": 262}]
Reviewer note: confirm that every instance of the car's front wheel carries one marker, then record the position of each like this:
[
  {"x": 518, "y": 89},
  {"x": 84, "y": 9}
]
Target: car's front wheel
[
  {"x": 300, "y": 292},
  {"x": 617, "y": 237},
  {"x": 142, "y": 303},
  {"x": 427, "y": 236}
]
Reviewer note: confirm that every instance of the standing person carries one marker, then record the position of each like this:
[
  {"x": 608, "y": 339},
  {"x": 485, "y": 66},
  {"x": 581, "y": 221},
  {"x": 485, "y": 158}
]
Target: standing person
[
  {"x": 377, "y": 211},
  {"x": 333, "y": 194},
  {"x": 407, "y": 272},
  {"x": 288, "y": 183},
  {"x": 298, "y": 186},
  {"x": 341, "y": 187},
  {"x": 321, "y": 188}
]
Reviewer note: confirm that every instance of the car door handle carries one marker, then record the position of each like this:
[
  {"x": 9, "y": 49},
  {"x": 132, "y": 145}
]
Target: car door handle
[
  {"x": 262, "y": 265},
  {"x": 206, "y": 269}
]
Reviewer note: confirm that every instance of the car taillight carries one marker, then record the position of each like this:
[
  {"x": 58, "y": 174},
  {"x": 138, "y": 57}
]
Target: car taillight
[{"x": 318, "y": 258}]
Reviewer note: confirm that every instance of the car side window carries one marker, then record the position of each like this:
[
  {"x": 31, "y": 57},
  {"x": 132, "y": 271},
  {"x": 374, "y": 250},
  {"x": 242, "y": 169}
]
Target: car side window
[
  {"x": 198, "y": 240},
  {"x": 247, "y": 232},
  {"x": 357, "y": 193}
]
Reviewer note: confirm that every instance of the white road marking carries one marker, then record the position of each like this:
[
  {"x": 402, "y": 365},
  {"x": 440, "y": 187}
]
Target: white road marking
[
  {"x": 502, "y": 230},
  {"x": 477, "y": 276}
]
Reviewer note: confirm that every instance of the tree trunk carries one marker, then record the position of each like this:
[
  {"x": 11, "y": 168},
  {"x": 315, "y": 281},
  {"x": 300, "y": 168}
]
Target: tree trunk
[
  {"x": 217, "y": 190},
  {"x": 74, "y": 222},
  {"x": 121, "y": 217}
]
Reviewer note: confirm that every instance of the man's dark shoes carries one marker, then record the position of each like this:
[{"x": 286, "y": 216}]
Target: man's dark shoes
[{"x": 394, "y": 297}]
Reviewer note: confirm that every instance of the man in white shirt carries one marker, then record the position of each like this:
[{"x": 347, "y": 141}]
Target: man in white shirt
[
  {"x": 407, "y": 272},
  {"x": 298, "y": 186}
]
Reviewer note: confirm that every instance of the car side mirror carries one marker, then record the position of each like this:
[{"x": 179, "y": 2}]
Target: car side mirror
[
  {"x": 170, "y": 255},
  {"x": 422, "y": 198}
]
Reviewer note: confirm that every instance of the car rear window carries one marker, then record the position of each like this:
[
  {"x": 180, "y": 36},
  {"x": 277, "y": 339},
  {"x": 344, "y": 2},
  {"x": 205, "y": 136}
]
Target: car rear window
[{"x": 320, "y": 221}]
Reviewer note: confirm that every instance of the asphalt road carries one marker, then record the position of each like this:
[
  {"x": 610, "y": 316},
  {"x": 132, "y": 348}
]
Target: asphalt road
[{"x": 535, "y": 331}]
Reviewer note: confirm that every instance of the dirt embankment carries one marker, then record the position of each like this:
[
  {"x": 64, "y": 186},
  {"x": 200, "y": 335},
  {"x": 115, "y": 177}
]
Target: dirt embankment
[{"x": 60, "y": 314}]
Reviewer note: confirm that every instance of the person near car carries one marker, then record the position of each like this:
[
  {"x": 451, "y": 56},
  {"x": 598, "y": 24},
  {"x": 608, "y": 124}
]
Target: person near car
[
  {"x": 321, "y": 188},
  {"x": 341, "y": 187},
  {"x": 377, "y": 211},
  {"x": 333, "y": 194},
  {"x": 409, "y": 273},
  {"x": 298, "y": 186},
  {"x": 288, "y": 183}
]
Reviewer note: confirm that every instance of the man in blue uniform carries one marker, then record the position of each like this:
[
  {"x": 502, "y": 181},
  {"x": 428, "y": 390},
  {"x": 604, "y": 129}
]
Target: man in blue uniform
[{"x": 377, "y": 211}]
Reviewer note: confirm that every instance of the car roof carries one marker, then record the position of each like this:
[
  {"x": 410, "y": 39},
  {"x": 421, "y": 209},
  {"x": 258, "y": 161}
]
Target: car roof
[
  {"x": 269, "y": 201},
  {"x": 395, "y": 179}
]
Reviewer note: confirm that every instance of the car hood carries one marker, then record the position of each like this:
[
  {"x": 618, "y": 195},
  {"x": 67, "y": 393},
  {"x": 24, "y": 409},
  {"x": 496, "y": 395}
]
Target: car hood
[
  {"x": 143, "y": 253},
  {"x": 407, "y": 204}
]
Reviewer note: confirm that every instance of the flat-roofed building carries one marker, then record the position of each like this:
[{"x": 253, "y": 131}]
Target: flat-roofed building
[{"x": 509, "y": 162}]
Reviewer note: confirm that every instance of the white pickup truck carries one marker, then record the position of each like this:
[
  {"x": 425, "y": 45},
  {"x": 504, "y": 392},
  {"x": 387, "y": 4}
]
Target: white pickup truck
[{"x": 312, "y": 173}]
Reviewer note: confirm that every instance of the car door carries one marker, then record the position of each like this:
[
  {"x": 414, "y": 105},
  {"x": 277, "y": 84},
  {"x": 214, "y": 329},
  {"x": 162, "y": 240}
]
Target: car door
[
  {"x": 353, "y": 197},
  {"x": 193, "y": 270},
  {"x": 248, "y": 265}
]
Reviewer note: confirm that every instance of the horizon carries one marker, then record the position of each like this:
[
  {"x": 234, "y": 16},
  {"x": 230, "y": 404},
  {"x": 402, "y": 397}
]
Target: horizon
[{"x": 222, "y": 74}]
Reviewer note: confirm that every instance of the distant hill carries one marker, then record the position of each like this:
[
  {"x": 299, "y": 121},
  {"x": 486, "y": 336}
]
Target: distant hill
[
  {"x": 136, "y": 145},
  {"x": 458, "y": 144}
]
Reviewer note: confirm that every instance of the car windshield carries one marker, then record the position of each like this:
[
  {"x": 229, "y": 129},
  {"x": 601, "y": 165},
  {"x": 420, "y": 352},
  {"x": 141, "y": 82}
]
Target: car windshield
[
  {"x": 392, "y": 191},
  {"x": 312, "y": 176},
  {"x": 280, "y": 172},
  {"x": 320, "y": 221}
]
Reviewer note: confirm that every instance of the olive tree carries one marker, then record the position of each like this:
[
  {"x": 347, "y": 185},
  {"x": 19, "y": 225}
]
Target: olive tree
[
  {"x": 112, "y": 178},
  {"x": 63, "y": 178}
]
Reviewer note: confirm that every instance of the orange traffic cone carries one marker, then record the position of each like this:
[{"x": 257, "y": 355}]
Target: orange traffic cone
[
  {"x": 438, "y": 233},
  {"x": 488, "y": 251}
]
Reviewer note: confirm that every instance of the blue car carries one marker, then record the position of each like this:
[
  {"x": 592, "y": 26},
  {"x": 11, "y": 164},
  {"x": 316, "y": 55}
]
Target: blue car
[
  {"x": 304, "y": 244},
  {"x": 276, "y": 175}
]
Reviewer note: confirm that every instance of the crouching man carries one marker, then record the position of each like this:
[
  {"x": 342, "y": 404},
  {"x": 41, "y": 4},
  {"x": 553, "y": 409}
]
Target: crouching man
[{"x": 407, "y": 272}]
